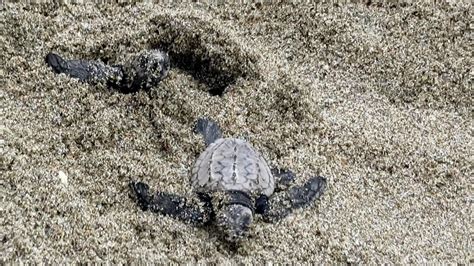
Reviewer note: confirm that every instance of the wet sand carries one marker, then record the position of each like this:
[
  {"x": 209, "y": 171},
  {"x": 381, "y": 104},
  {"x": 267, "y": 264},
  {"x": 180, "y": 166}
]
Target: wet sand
[{"x": 378, "y": 99}]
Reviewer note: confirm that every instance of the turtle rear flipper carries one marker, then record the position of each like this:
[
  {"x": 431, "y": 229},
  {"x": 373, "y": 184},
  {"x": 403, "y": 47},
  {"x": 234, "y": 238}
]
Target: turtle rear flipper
[
  {"x": 85, "y": 71},
  {"x": 282, "y": 204},
  {"x": 208, "y": 129},
  {"x": 172, "y": 205}
]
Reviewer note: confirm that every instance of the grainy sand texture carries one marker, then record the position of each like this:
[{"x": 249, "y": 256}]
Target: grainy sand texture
[{"x": 376, "y": 97}]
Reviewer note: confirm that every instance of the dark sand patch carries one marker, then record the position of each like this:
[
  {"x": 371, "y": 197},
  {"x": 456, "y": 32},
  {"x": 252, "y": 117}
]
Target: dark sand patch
[{"x": 378, "y": 99}]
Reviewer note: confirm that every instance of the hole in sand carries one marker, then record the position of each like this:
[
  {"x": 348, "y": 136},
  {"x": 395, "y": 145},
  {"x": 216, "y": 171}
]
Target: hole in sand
[
  {"x": 204, "y": 71},
  {"x": 205, "y": 51}
]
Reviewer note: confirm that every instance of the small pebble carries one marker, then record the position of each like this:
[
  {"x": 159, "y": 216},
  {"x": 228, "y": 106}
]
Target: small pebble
[{"x": 63, "y": 177}]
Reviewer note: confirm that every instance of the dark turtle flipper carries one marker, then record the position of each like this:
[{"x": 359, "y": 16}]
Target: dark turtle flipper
[
  {"x": 169, "y": 204},
  {"x": 282, "y": 204},
  {"x": 261, "y": 204},
  {"x": 85, "y": 71},
  {"x": 208, "y": 129}
]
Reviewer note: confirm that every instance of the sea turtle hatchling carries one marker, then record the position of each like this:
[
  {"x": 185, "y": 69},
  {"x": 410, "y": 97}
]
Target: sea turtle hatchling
[
  {"x": 232, "y": 182},
  {"x": 139, "y": 71}
]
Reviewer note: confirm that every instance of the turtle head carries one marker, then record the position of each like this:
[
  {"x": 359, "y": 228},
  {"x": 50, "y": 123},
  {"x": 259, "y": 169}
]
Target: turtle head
[
  {"x": 234, "y": 220},
  {"x": 146, "y": 69},
  {"x": 235, "y": 215}
]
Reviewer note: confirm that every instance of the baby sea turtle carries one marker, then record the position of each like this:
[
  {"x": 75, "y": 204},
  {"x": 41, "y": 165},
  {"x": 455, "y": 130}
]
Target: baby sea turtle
[
  {"x": 140, "y": 71},
  {"x": 232, "y": 182}
]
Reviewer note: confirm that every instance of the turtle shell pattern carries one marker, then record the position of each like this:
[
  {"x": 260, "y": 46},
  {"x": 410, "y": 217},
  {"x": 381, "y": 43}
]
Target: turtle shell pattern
[{"x": 232, "y": 164}]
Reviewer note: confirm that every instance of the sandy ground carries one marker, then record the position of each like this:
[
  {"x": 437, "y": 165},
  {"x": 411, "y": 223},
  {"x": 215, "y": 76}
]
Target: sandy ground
[{"x": 376, "y": 98}]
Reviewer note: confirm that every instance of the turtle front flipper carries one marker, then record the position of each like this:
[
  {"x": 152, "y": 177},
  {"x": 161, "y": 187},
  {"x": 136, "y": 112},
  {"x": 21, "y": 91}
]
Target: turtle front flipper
[
  {"x": 85, "y": 71},
  {"x": 282, "y": 204},
  {"x": 172, "y": 205}
]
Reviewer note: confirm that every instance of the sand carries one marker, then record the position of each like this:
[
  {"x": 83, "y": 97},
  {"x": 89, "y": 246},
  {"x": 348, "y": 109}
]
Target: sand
[{"x": 377, "y": 98}]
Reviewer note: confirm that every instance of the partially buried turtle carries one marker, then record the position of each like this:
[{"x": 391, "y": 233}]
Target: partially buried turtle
[
  {"x": 232, "y": 182},
  {"x": 139, "y": 71}
]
